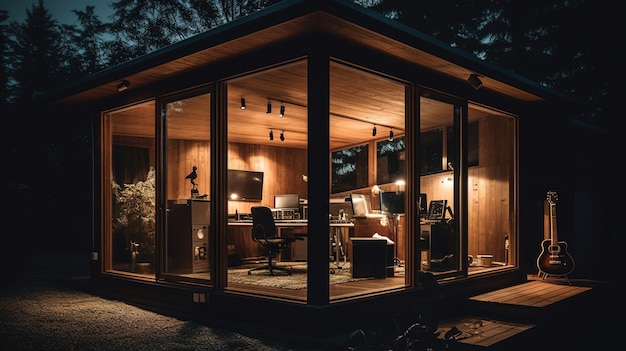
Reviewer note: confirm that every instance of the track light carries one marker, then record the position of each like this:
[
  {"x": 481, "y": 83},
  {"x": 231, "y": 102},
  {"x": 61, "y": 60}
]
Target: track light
[
  {"x": 269, "y": 107},
  {"x": 474, "y": 81},
  {"x": 281, "y": 114},
  {"x": 374, "y": 130},
  {"x": 390, "y": 135},
  {"x": 243, "y": 103},
  {"x": 122, "y": 86},
  {"x": 271, "y": 135},
  {"x": 282, "y": 136}
]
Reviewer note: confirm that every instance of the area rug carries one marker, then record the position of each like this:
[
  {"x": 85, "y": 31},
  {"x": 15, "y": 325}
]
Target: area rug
[{"x": 295, "y": 281}]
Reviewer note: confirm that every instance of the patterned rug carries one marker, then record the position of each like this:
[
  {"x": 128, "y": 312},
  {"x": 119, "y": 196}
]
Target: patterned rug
[{"x": 295, "y": 281}]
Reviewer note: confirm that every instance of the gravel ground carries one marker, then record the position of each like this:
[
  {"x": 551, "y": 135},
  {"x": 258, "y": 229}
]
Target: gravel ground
[{"x": 44, "y": 305}]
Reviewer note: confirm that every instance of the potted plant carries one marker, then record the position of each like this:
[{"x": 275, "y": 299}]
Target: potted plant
[{"x": 134, "y": 216}]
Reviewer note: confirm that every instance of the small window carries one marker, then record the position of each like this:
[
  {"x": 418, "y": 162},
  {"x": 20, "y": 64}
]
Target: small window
[
  {"x": 349, "y": 168},
  {"x": 390, "y": 160}
]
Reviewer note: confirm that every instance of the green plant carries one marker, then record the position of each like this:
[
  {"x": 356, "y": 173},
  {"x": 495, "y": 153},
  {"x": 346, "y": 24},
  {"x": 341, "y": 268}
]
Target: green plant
[{"x": 134, "y": 214}]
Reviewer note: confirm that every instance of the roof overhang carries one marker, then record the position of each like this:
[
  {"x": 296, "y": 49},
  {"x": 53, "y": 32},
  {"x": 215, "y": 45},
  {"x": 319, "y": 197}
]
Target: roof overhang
[{"x": 286, "y": 21}]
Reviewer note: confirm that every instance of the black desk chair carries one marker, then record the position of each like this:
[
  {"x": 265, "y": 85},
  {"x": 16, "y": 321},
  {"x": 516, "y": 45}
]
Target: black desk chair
[{"x": 264, "y": 232}]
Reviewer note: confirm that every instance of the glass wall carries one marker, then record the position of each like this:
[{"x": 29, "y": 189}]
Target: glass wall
[
  {"x": 129, "y": 210},
  {"x": 187, "y": 158},
  {"x": 439, "y": 156},
  {"x": 492, "y": 220},
  {"x": 372, "y": 122},
  {"x": 267, "y": 165},
  {"x": 267, "y": 131}
]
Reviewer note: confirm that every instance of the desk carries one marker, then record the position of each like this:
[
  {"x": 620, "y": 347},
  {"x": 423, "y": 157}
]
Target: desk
[{"x": 240, "y": 236}]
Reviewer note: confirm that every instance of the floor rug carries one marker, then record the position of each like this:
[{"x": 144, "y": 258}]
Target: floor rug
[{"x": 295, "y": 281}]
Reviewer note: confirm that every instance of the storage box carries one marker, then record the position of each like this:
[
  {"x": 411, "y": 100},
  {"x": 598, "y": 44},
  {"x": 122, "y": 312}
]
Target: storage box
[{"x": 369, "y": 258}]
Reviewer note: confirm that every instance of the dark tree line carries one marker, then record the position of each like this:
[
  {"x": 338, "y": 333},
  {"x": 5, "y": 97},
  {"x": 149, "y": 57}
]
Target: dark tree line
[{"x": 563, "y": 44}]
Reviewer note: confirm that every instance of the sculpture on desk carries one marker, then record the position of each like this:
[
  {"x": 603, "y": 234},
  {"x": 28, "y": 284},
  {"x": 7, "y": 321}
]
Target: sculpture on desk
[{"x": 192, "y": 178}]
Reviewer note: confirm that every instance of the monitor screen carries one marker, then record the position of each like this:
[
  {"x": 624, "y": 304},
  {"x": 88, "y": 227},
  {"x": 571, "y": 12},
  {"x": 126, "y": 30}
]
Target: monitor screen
[
  {"x": 360, "y": 205},
  {"x": 245, "y": 185},
  {"x": 437, "y": 210},
  {"x": 392, "y": 202},
  {"x": 287, "y": 201}
]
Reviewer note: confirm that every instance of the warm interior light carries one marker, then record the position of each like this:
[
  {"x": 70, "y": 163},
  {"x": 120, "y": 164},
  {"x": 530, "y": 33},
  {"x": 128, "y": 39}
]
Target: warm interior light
[
  {"x": 375, "y": 190},
  {"x": 400, "y": 183},
  {"x": 243, "y": 103},
  {"x": 281, "y": 114}
]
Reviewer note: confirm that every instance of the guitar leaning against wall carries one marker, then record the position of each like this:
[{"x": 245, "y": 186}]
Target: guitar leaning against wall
[{"x": 554, "y": 258}]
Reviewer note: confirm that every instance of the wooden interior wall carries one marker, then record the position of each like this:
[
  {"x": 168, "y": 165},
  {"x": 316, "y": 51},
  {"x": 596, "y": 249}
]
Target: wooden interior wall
[
  {"x": 489, "y": 210},
  {"x": 282, "y": 169},
  {"x": 182, "y": 155},
  {"x": 490, "y": 184}
]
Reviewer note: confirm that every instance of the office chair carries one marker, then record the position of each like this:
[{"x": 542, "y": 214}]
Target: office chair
[{"x": 264, "y": 232}]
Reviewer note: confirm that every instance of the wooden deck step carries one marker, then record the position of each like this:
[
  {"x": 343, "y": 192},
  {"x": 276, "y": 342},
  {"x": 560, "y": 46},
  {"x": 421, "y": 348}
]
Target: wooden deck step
[
  {"x": 516, "y": 317},
  {"x": 535, "y": 299},
  {"x": 480, "y": 333}
]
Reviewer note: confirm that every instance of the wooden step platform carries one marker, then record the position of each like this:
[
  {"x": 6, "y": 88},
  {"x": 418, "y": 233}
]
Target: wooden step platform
[
  {"x": 519, "y": 316},
  {"x": 480, "y": 333}
]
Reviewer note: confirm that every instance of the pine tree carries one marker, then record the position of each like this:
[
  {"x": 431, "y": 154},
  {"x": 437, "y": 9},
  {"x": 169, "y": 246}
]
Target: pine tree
[{"x": 37, "y": 64}]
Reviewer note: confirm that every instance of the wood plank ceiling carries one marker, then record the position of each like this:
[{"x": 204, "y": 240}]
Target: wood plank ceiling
[{"x": 359, "y": 102}]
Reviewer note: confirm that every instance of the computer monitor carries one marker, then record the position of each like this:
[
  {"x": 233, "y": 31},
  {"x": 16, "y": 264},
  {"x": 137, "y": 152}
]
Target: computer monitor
[
  {"x": 437, "y": 210},
  {"x": 392, "y": 202},
  {"x": 287, "y": 201},
  {"x": 360, "y": 205}
]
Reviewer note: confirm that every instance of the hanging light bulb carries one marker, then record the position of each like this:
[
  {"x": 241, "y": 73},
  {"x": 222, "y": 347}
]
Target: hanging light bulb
[
  {"x": 390, "y": 135},
  {"x": 243, "y": 103},
  {"x": 282, "y": 136},
  {"x": 281, "y": 114},
  {"x": 269, "y": 106},
  {"x": 271, "y": 134},
  {"x": 374, "y": 130}
]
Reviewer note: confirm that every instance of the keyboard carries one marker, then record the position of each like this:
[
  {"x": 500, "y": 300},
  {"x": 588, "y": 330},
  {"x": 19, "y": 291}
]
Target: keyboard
[{"x": 291, "y": 221}]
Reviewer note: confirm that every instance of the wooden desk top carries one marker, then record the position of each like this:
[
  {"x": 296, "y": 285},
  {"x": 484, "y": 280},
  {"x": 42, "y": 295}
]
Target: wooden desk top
[{"x": 291, "y": 223}]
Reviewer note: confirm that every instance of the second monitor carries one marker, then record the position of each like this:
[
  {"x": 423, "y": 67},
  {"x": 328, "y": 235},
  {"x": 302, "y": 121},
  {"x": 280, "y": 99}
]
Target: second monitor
[
  {"x": 287, "y": 201},
  {"x": 392, "y": 202}
]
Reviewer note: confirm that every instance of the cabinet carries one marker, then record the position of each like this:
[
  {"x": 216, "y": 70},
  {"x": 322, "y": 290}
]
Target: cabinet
[
  {"x": 440, "y": 248},
  {"x": 188, "y": 236}
]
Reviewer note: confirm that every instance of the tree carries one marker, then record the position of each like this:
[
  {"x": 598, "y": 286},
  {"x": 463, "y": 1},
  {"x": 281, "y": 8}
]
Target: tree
[
  {"x": 142, "y": 26},
  {"x": 4, "y": 60},
  {"x": 36, "y": 63},
  {"x": 84, "y": 43}
]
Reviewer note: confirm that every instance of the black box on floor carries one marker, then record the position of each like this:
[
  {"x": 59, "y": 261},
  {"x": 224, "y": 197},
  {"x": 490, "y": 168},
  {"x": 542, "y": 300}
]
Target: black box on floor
[
  {"x": 369, "y": 258},
  {"x": 391, "y": 256}
]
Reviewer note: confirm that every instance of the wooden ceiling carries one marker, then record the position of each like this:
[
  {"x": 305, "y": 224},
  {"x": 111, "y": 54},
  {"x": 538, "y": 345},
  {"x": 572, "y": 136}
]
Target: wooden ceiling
[{"x": 359, "y": 101}]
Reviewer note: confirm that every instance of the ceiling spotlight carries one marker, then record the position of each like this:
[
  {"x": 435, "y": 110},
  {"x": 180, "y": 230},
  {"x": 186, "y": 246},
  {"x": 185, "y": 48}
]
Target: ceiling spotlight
[
  {"x": 122, "y": 86},
  {"x": 374, "y": 130},
  {"x": 271, "y": 135},
  {"x": 390, "y": 135},
  {"x": 474, "y": 81},
  {"x": 243, "y": 103},
  {"x": 282, "y": 136},
  {"x": 269, "y": 107},
  {"x": 281, "y": 114}
]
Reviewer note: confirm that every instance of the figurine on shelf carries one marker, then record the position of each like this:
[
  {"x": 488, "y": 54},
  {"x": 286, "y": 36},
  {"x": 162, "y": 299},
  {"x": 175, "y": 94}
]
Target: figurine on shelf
[{"x": 192, "y": 177}]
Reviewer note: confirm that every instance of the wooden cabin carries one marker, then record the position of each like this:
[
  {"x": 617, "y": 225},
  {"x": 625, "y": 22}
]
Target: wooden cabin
[{"x": 388, "y": 156}]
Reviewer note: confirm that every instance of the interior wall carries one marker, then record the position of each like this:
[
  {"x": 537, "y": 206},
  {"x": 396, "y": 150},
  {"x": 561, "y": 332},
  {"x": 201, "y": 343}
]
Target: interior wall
[{"x": 282, "y": 169}]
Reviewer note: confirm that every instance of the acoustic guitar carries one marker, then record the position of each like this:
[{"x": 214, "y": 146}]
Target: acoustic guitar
[{"x": 554, "y": 258}]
